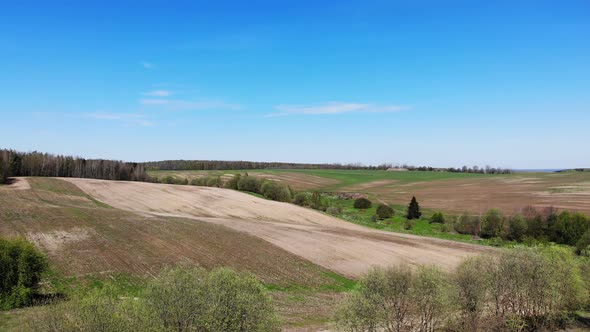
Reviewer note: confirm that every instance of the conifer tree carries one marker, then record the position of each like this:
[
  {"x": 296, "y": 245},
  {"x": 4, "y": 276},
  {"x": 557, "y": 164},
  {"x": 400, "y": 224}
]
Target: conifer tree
[{"x": 414, "y": 209}]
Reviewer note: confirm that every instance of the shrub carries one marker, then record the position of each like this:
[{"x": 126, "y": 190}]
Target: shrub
[
  {"x": 170, "y": 180},
  {"x": 409, "y": 224},
  {"x": 233, "y": 182},
  {"x": 570, "y": 227},
  {"x": 181, "y": 299},
  {"x": 214, "y": 181},
  {"x": 97, "y": 310},
  {"x": 275, "y": 191},
  {"x": 249, "y": 183},
  {"x": 362, "y": 203},
  {"x": 301, "y": 199},
  {"x": 414, "y": 209},
  {"x": 492, "y": 224},
  {"x": 471, "y": 292},
  {"x": 384, "y": 211},
  {"x": 316, "y": 201},
  {"x": 21, "y": 269},
  {"x": 437, "y": 218},
  {"x": 221, "y": 300},
  {"x": 467, "y": 224},
  {"x": 583, "y": 244},
  {"x": 333, "y": 210},
  {"x": 396, "y": 299},
  {"x": 517, "y": 228}
]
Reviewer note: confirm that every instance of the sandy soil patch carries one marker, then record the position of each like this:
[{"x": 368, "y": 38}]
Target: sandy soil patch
[
  {"x": 20, "y": 184},
  {"x": 343, "y": 247},
  {"x": 56, "y": 240}
]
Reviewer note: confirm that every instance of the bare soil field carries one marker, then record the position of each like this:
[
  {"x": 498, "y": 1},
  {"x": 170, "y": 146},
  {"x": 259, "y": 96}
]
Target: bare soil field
[
  {"x": 84, "y": 237},
  {"x": 334, "y": 244},
  {"x": 509, "y": 194}
]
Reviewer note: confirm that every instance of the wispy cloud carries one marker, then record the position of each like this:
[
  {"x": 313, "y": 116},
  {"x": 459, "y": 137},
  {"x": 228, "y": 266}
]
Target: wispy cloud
[
  {"x": 188, "y": 105},
  {"x": 336, "y": 108},
  {"x": 147, "y": 65},
  {"x": 158, "y": 93},
  {"x": 133, "y": 119}
]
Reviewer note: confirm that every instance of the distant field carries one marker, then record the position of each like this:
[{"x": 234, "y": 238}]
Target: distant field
[{"x": 450, "y": 192}]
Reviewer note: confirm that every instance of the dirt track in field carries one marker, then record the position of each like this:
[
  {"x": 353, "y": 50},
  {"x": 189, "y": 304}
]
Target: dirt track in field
[{"x": 343, "y": 247}]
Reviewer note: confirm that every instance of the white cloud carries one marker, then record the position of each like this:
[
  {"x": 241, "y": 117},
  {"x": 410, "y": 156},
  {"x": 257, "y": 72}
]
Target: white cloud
[
  {"x": 158, "y": 93},
  {"x": 336, "y": 108},
  {"x": 188, "y": 105},
  {"x": 147, "y": 65},
  {"x": 125, "y": 118}
]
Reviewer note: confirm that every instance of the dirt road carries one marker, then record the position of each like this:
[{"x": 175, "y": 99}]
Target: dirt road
[{"x": 340, "y": 246}]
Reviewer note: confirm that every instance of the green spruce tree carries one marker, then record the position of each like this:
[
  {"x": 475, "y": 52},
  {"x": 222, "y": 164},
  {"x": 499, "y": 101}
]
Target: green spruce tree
[{"x": 414, "y": 209}]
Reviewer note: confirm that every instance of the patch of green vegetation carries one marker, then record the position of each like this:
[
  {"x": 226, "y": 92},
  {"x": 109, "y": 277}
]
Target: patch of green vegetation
[
  {"x": 422, "y": 227},
  {"x": 62, "y": 187},
  {"x": 334, "y": 283}
]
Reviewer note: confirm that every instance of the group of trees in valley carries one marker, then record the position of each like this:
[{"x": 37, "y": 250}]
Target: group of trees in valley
[
  {"x": 13, "y": 163},
  {"x": 547, "y": 225}
]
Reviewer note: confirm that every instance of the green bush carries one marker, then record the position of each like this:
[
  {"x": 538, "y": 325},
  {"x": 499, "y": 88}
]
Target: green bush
[
  {"x": 214, "y": 181},
  {"x": 517, "y": 228},
  {"x": 249, "y": 183},
  {"x": 384, "y": 211},
  {"x": 275, "y": 191},
  {"x": 437, "y": 218},
  {"x": 570, "y": 227},
  {"x": 583, "y": 244},
  {"x": 233, "y": 182},
  {"x": 21, "y": 269},
  {"x": 180, "y": 299},
  {"x": 316, "y": 201},
  {"x": 395, "y": 299},
  {"x": 492, "y": 224},
  {"x": 467, "y": 224},
  {"x": 301, "y": 199},
  {"x": 362, "y": 203}
]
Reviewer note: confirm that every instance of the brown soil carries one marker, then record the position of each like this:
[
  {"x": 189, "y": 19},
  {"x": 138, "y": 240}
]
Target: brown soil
[{"x": 340, "y": 246}]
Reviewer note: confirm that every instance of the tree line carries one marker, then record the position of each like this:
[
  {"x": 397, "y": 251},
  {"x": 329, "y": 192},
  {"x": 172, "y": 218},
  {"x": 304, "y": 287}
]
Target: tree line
[
  {"x": 210, "y": 165},
  {"x": 13, "y": 163}
]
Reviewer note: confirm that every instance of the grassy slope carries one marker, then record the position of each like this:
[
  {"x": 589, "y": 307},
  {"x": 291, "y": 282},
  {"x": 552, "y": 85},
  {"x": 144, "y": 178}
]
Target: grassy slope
[{"x": 89, "y": 242}]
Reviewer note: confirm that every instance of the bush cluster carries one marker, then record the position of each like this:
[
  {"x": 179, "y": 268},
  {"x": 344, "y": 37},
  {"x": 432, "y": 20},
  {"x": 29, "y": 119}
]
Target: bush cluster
[
  {"x": 545, "y": 226},
  {"x": 180, "y": 299},
  {"x": 532, "y": 288}
]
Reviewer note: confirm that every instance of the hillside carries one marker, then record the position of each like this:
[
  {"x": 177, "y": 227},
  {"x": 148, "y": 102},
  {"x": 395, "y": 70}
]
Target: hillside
[{"x": 340, "y": 246}]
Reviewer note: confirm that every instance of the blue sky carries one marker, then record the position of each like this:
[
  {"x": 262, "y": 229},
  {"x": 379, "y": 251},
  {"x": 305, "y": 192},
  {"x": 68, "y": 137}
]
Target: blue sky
[{"x": 441, "y": 83}]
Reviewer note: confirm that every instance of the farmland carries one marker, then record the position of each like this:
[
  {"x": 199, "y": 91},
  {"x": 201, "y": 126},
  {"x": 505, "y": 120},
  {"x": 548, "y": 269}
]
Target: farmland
[
  {"x": 95, "y": 230},
  {"x": 448, "y": 192}
]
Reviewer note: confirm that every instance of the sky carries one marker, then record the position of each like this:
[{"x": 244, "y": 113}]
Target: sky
[{"x": 439, "y": 83}]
